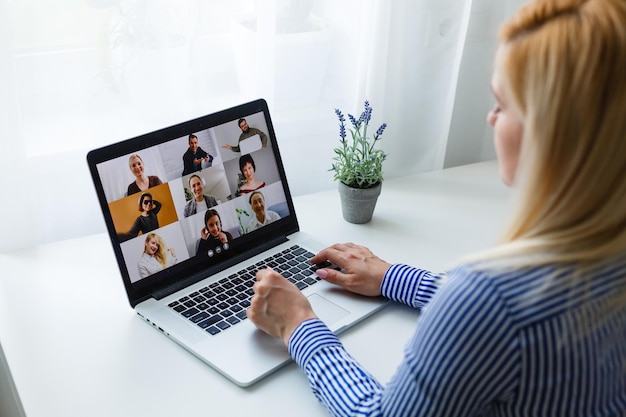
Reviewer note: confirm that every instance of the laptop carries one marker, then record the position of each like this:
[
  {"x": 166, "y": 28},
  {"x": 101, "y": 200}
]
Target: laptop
[{"x": 188, "y": 246}]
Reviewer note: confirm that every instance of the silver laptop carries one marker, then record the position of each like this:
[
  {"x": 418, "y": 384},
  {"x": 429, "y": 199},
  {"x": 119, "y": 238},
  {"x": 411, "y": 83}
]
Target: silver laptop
[{"x": 189, "y": 237}]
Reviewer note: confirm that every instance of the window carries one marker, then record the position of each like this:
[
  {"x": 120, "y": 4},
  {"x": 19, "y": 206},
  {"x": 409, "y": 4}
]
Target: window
[{"x": 79, "y": 74}]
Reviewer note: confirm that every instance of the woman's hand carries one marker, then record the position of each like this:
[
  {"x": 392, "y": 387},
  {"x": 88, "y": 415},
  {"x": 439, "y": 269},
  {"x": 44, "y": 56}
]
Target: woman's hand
[
  {"x": 204, "y": 233},
  {"x": 278, "y": 306},
  {"x": 223, "y": 238},
  {"x": 364, "y": 271}
]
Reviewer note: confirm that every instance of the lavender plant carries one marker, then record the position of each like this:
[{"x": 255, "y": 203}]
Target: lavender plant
[{"x": 357, "y": 163}]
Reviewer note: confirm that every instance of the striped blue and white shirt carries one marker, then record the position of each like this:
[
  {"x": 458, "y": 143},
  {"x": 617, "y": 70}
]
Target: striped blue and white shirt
[{"x": 514, "y": 343}]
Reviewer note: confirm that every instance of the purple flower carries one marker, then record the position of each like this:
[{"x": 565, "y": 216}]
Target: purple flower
[
  {"x": 340, "y": 116},
  {"x": 367, "y": 113},
  {"x": 356, "y": 123},
  {"x": 342, "y": 126},
  {"x": 380, "y": 130},
  {"x": 356, "y": 162}
]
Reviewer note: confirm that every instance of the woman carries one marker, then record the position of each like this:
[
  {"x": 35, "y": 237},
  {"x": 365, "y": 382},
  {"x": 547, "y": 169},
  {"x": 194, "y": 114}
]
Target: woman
[
  {"x": 213, "y": 238},
  {"x": 156, "y": 256},
  {"x": 142, "y": 182},
  {"x": 248, "y": 168},
  {"x": 147, "y": 221},
  {"x": 536, "y": 325}
]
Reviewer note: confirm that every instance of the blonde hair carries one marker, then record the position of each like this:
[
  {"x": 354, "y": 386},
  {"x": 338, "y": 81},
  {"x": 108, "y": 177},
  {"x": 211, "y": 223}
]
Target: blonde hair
[
  {"x": 564, "y": 67},
  {"x": 161, "y": 253},
  {"x": 133, "y": 156}
]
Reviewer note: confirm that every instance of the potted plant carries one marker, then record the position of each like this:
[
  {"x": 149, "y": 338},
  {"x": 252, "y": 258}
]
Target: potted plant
[{"x": 358, "y": 166}]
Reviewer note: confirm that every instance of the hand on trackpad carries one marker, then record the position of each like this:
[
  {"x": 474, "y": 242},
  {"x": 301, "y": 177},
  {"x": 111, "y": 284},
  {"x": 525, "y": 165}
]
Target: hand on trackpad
[{"x": 326, "y": 310}]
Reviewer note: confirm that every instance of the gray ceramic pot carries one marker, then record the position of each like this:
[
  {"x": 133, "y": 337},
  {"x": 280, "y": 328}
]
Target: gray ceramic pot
[{"x": 357, "y": 204}]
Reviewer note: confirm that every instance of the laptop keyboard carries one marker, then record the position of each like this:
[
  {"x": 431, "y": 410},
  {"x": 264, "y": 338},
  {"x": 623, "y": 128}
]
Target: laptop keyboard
[{"x": 223, "y": 304}]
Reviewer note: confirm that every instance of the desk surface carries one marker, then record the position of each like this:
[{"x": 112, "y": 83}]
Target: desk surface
[{"x": 75, "y": 353}]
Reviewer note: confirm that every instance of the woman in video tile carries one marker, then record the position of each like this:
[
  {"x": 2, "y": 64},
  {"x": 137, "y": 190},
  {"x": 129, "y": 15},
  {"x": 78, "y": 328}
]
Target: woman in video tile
[
  {"x": 213, "y": 240},
  {"x": 142, "y": 182},
  {"x": 156, "y": 256},
  {"x": 147, "y": 221},
  {"x": 248, "y": 169}
]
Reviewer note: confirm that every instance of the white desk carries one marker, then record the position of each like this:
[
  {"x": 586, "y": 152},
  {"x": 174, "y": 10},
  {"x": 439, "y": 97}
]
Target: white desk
[{"x": 77, "y": 353}]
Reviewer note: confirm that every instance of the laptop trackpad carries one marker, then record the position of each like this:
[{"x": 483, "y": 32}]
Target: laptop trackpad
[{"x": 326, "y": 310}]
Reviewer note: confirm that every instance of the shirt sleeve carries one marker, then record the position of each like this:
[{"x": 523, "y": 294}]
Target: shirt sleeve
[
  {"x": 336, "y": 379},
  {"x": 263, "y": 138},
  {"x": 463, "y": 355},
  {"x": 411, "y": 286},
  {"x": 211, "y": 201},
  {"x": 157, "y": 207},
  {"x": 189, "y": 208},
  {"x": 236, "y": 148},
  {"x": 143, "y": 269},
  {"x": 153, "y": 181}
]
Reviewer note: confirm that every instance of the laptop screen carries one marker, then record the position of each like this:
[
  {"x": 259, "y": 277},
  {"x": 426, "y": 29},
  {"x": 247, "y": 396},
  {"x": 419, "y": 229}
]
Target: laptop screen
[{"x": 187, "y": 201}]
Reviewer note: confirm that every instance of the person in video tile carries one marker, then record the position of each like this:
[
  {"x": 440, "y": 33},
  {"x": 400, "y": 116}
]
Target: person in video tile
[
  {"x": 156, "y": 256},
  {"x": 213, "y": 240},
  {"x": 248, "y": 170},
  {"x": 142, "y": 182},
  {"x": 262, "y": 216},
  {"x": 200, "y": 201},
  {"x": 246, "y": 132},
  {"x": 147, "y": 221},
  {"x": 194, "y": 156}
]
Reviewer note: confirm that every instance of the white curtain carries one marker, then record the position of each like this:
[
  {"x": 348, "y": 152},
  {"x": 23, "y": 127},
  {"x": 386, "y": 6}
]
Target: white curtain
[{"x": 78, "y": 74}]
